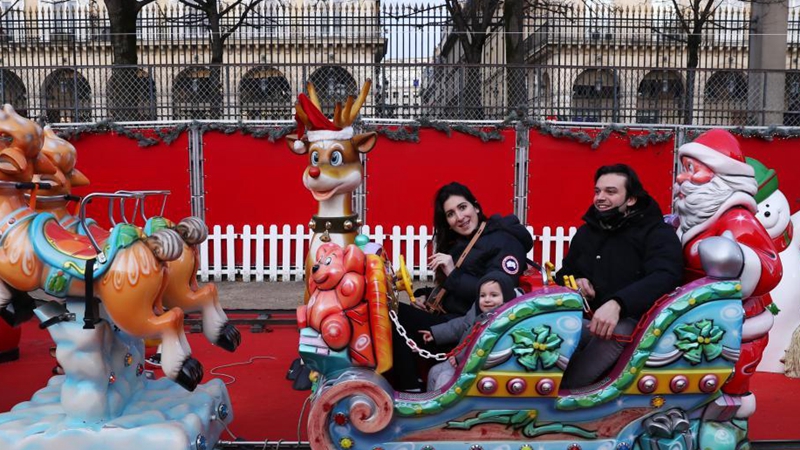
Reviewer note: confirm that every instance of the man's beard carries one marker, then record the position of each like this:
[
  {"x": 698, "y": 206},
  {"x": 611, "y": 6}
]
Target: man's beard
[{"x": 702, "y": 201}]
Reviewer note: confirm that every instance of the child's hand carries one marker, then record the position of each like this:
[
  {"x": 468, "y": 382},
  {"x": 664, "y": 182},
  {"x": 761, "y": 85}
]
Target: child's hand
[
  {"x": 427, "y": 336},
  {"x": 453, "y": 361}
]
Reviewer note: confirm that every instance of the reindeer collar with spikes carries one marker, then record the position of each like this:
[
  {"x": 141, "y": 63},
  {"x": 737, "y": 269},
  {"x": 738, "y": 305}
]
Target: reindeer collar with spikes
[{"x": 337, "y": 225}]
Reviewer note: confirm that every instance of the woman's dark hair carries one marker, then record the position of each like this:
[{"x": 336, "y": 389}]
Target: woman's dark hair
[
  {"x": 633, "y": 187},
  {"x": 443, "y": 236}
]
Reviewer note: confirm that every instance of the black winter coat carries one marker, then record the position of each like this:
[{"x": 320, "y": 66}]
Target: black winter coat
[
  {"x": 503, "y": 245},
  {"x": 635, "y": 263}
]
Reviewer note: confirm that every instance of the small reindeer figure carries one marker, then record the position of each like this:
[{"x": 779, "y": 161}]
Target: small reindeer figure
[{"x": 334, "y": 171}]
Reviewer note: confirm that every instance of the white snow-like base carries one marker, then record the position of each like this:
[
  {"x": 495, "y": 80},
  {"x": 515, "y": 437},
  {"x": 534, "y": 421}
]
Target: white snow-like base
[{"x": 161, "y": 416}]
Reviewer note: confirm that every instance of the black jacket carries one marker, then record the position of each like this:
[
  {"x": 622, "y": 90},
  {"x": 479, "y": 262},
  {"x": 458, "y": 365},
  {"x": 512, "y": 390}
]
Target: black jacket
[
  {"x": 635, "y": 262},
  {"x": 503, "y": 246}
]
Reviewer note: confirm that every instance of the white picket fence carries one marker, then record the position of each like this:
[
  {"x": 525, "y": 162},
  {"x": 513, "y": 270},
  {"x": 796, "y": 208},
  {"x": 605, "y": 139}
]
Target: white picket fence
[{"x": 278, "y": 254}]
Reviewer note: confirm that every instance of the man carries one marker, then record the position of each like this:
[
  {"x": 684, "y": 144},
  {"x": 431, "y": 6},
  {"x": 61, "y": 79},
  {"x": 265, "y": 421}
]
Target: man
[
  {"x": 623, "y": 259},
  {"x": 713, "y": 196}
]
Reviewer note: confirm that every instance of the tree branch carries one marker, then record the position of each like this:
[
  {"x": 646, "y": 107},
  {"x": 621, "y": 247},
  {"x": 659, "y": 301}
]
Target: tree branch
[
  {"x": 242, "y": 18},
  {"x": 231, "y": 6},
  {"x": 141, "y": 4}
]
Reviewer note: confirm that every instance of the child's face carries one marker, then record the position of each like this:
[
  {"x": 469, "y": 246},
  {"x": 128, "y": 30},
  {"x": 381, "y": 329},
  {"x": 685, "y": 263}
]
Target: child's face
[{"x": 490, "y": 297}]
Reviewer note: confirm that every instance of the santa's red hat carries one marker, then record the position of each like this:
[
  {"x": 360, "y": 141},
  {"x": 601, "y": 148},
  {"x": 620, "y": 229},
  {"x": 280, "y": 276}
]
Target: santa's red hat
[
  {"x": 321, "y": 127},
  {"x": 720, "y": 151}
]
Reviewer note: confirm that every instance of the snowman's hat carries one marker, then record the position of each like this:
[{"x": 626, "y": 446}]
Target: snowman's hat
[{"x": 766, "y": 178}]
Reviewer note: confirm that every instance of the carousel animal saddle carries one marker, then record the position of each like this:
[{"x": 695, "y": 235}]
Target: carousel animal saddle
[
  {"x": 67, "y": 253},
  {"x": 73, "y": 224}
]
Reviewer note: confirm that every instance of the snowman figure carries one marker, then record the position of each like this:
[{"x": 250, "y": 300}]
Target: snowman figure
[{"x": 774, "y": 215}]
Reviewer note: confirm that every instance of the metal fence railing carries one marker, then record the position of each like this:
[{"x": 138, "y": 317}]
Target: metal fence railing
[{"x": 578, "y": 64}]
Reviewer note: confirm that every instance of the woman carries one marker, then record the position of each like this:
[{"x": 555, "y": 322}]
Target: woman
[{"x": 502, "y": 245}]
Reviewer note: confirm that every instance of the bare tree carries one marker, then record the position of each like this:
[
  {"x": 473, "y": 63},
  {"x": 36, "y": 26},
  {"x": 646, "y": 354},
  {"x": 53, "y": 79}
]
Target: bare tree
[
  {"x": 692, "y": 17},
  {"x": 4, "y": 12},
  {"x": 212, "y": 14},
  {"x": 473, "y": 21},
  {"x": 122, "y": 15},
  {"x": 130, "y": 90},
  {"x": 514, "y": 12}
]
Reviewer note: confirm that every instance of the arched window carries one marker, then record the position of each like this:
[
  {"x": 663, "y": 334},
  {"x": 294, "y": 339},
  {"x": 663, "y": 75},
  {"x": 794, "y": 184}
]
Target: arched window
[
  {"x": 595, "y": 96},
  {"x": 659, "y": 97},
  {"x": 333, "y": 84},
  {"x": 792, "y": 115},
  {"x": 13, "y": 92},
  {"x": 67, "y": 97},
  {"x": 726, "y": 98},
  {"x": 131, "y": 95},
  {"x": 197, "y": 94},
  {"x": 265, "y": 94}
]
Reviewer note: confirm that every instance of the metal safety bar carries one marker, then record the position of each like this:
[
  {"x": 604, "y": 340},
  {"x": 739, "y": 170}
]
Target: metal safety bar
[
  {"x": 142, "y": 195},
  {"x": 101, "y": 258}
]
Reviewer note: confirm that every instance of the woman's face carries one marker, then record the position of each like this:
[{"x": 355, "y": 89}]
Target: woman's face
[{"x": 462, "y": 217}]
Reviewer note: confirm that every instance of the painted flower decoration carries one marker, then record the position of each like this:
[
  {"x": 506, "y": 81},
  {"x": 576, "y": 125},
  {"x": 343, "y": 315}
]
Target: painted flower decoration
[
  {"x": 699, "y": 338},
  {"x": 538, "y": 344}
]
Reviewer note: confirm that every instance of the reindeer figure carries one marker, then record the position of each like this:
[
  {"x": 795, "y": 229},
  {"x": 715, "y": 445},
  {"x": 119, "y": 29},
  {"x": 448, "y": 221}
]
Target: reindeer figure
[
  {"x": 131, "y": 281},
  {"x": 182, "y": 290},
  {"x": 334, "y": 171}
]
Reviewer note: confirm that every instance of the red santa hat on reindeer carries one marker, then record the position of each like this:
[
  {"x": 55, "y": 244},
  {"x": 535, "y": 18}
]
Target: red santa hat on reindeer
[{"x": 314, "y": 126}]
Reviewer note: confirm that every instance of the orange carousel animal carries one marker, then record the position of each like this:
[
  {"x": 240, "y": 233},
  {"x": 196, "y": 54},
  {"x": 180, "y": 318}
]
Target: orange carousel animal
[
  {"x": 334, "y": 171},
  {"x": 347, "y": 305},
  {"x": 37, "y": 253},
  {"x": 182, "y": 290}
]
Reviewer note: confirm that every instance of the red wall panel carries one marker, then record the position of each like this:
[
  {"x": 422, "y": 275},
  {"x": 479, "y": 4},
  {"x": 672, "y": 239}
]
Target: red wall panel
[
  {"x": 403, "y": 177},
  {"x": 253, "y": 181},
  {"x": 113, "y": 162},
  {"x": 783, "y": 156},
  {"x": 561, "y": 175}
]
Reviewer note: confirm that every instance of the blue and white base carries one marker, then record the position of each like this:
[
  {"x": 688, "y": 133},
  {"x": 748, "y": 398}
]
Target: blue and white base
[{"x": 105, "y": 401}]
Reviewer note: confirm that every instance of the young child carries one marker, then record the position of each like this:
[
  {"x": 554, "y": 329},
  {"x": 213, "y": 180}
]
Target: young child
[{"x": 495, "y": 288}]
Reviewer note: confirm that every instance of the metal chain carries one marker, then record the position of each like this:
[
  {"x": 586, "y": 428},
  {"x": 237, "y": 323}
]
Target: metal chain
[
  {"x": 476, "y": 328},
  {"x": 413, "y": 345}
]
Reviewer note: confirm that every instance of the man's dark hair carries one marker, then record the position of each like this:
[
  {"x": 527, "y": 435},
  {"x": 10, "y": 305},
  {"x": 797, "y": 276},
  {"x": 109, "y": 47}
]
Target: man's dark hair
[{"x": 633, "y": 187}]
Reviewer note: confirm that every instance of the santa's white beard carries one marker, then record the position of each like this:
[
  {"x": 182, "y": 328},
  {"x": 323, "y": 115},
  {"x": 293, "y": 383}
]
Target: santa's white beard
[{"x": 701, "y": 201}]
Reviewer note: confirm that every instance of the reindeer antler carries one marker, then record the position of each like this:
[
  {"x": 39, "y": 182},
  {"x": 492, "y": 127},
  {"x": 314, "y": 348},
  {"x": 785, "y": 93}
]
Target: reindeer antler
[
  {"x": 337, "y": 115},
  {"x": 352, "y": 112},
  {"x": 312, "y": 95}
]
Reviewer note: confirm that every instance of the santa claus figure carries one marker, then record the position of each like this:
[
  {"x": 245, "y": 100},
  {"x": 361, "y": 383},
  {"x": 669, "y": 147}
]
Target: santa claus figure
[{"x": 714, "y": 196}]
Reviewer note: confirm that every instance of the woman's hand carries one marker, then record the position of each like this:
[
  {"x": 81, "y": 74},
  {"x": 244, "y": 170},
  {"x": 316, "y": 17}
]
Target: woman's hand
[
  {"x": 453, "y": 361},
  {"x": 427, "y": 336},
  {"x": 419, "y": 303},
  {"x": 443, "y": 261}
]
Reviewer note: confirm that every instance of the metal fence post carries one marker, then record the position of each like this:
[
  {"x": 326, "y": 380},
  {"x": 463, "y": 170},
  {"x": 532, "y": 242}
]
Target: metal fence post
[
  {"x": 151, "y": 84},
  {"x": 197, "y": 173},
  {"x": 360, "y": 194},
  {"x": 677, "y": 141},
  {"x": 521, "y": 155},
  {"x": 461, "y": 92}
]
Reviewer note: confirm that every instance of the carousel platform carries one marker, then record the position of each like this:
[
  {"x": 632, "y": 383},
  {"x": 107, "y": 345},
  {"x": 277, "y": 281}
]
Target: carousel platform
[{"x": 267, "y": 409}]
